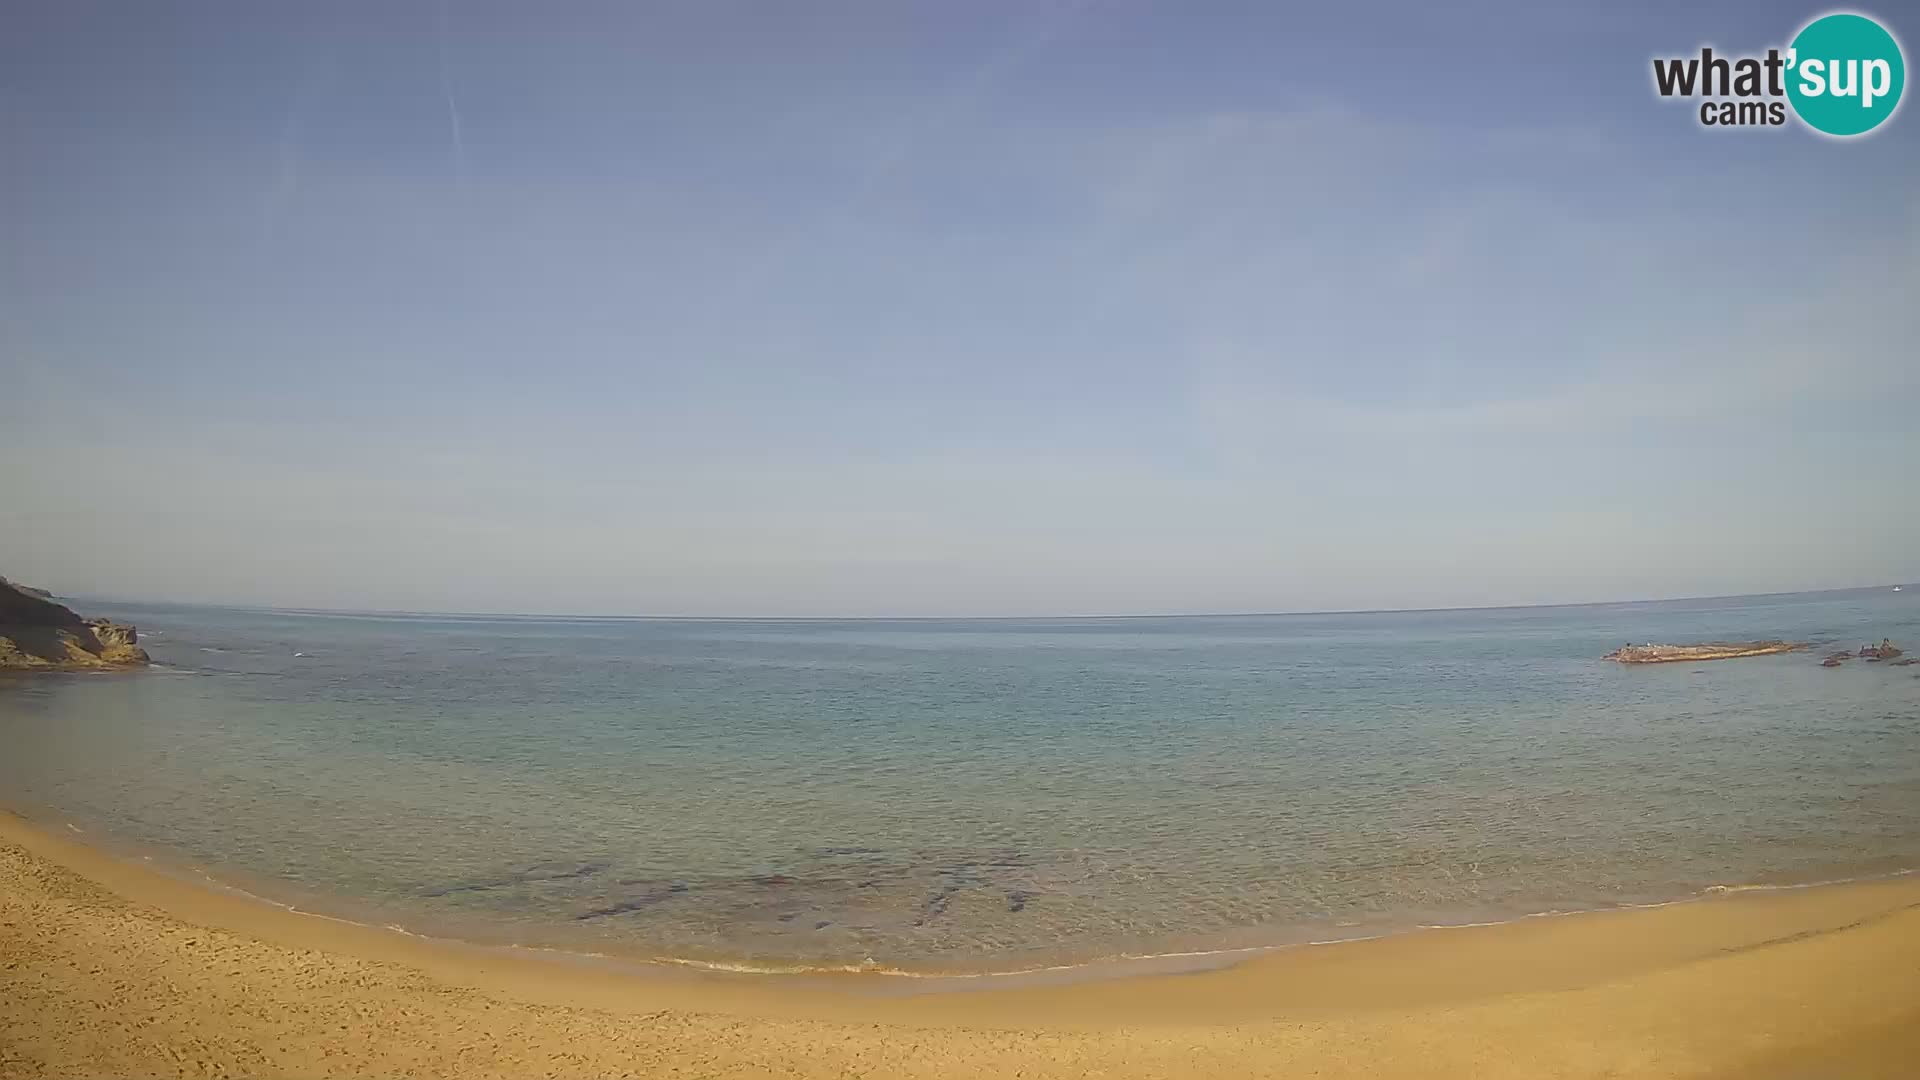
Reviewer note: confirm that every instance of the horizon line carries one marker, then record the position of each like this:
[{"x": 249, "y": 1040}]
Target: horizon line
[{"x": 578, "y": 616}]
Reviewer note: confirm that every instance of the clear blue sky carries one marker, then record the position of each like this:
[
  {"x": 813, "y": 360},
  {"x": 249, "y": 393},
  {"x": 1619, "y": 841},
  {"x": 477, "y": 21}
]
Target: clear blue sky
[{"x": 956, "y": 308}]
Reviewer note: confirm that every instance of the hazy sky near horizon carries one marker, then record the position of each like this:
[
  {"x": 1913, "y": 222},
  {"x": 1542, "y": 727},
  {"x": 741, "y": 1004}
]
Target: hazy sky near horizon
[{"x": 955, "y": 308}]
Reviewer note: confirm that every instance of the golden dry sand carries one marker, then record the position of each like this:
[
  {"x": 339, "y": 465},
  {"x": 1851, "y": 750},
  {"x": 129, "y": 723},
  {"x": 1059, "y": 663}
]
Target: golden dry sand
[{"x": 110, "y": 969}]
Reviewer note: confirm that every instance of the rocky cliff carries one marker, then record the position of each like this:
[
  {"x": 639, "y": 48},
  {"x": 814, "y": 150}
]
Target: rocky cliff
[{"x": 39, "y": 635}]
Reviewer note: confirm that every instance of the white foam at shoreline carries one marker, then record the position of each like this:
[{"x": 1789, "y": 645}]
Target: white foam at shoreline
[
  {"x": 1091, "y": 967},
  {"x": 873, "y": 967}
]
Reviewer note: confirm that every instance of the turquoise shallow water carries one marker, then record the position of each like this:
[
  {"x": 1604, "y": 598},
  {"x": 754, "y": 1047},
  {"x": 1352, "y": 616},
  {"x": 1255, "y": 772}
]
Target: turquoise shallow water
[{"x": 982, "y": 795}]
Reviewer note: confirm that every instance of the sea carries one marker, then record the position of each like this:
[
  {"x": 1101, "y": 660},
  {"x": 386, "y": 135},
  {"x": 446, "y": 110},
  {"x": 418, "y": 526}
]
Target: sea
[{"x": 961, "y": 797}]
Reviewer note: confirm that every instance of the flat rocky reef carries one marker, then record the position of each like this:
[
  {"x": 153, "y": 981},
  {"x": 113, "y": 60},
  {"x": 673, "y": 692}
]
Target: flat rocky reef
[
  {"x": 1712, "y": 650},
  {"x": 1729, "y": 650}
]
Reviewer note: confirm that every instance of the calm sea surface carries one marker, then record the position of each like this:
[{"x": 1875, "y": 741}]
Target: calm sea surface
[{"x": 982, "y": 795}]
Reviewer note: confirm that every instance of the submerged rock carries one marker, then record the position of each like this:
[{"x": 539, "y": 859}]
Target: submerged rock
[
  {"x": 37, "y": 634},
  {"x": 631, "y": 904},
  {"x": 541, "y": 872}
]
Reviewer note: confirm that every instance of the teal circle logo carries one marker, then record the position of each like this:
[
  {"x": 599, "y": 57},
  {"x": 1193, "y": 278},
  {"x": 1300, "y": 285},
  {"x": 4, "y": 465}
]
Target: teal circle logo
[{"x": 1844, "y": 74}]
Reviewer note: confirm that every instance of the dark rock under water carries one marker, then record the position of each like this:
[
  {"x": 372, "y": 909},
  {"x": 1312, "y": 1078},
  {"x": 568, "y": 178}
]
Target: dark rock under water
[{"x": 532, "y": 874}]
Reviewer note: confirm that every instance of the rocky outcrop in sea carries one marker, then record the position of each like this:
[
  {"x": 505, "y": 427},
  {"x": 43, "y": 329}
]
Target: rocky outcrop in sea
[
  {"x": 1715, "y": 650},
  {"x": 37, "y": 634}
]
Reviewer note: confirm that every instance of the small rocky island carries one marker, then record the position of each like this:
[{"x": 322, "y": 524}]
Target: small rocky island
[
  {"x": 1886, "y": 650},
  {"x": 37, "y": 634},
  {"x": 1713, "y": 650}
]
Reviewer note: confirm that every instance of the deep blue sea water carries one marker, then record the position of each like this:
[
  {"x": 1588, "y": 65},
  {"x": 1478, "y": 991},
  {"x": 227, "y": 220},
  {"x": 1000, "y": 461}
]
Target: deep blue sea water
[{"x": 971, "y": 795}]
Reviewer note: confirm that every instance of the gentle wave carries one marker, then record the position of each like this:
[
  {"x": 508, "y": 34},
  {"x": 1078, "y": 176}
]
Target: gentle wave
[
  {"x": 873, "y": 967},
  {"x": 870, "y": 966}
]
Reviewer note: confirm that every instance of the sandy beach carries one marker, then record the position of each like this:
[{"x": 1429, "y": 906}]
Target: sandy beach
[{"x": 111, "y": 968}]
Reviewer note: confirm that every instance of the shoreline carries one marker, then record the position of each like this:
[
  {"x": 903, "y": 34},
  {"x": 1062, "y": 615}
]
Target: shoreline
[
  {"x": 1751, "y": 983},
  {"x": 902, "y": 980}
]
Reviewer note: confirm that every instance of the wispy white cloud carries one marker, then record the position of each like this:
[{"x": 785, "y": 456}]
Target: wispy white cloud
[
  {"x": 455, "y": 125},
  {"x": 965, "y": 356}
]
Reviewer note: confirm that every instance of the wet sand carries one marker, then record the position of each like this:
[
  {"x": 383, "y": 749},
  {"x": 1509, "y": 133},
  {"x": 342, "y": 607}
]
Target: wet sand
[{"x": 109, "y": 968}]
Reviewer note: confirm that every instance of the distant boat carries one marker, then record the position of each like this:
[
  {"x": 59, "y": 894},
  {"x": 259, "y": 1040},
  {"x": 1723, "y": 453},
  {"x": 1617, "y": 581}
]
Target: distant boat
[{"x": 1896, "y": 588}]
